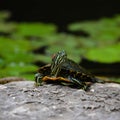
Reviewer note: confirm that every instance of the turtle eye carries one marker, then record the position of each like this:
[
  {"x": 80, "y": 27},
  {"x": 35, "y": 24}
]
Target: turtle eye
[{"x": 53, "y": 56}]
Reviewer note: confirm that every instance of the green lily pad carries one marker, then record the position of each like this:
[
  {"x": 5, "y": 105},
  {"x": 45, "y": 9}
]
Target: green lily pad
[
  {"x": 4, "y": 15},
  {"x": 15, "y": 50},
  {"x": 106, "y": 29},
  {"x": 35, "y": 29},
  {"x": 7, "y": 27},
  {"x": 106, "y": 54},
  {"x": 20, "y": 69}
]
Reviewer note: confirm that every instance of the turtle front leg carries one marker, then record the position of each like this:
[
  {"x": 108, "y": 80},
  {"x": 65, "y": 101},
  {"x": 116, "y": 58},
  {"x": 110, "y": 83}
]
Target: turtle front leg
[{"x": 38, "y": 79}]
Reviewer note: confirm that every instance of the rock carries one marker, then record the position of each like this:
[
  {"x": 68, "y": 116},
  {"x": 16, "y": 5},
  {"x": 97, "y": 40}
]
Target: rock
[{"x": 23, "y": 101}]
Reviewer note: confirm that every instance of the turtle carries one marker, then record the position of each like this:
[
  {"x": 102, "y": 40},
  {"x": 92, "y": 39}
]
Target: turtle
[{"x": 64, "y": 71}]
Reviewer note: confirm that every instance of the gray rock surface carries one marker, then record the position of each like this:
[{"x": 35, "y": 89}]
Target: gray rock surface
[{"x": 23, "y": 101}]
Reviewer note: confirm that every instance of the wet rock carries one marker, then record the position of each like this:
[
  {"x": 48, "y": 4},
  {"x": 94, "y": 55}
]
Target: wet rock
[{"x": 22, "y": 100}]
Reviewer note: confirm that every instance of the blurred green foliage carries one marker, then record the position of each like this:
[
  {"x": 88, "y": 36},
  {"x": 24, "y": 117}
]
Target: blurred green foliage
[
  {"x": 109, "y": 54},
  {"x": 35, "y": 29},
  {"x": 105, "y": 30},
  {"x": 19, "y": 41},
  {"x": 105, "y": 34},
  {"x": 4, "y": 15}
]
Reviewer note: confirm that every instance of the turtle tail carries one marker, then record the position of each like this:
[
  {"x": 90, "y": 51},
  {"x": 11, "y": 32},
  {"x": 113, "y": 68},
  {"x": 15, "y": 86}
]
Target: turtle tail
[
  {"x": 97, "y": 80},
  {"x": 105, "y": 80}
]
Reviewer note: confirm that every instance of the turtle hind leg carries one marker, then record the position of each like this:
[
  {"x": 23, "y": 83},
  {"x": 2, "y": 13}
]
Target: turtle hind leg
[
  {"x": 38, "y": 79},
  {"x": 79, "y": 83}
]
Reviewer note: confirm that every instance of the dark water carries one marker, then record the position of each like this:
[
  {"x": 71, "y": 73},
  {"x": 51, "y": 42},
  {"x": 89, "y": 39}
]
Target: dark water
[{"x": 60, "y": 13}]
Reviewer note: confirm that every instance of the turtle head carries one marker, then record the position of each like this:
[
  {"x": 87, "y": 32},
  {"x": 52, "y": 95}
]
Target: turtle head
[{"x": 57, "y": 62}]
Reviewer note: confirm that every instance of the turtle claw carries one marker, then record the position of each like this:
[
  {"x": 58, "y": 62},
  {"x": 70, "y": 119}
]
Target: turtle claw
[{"x": 38, "y": 79}]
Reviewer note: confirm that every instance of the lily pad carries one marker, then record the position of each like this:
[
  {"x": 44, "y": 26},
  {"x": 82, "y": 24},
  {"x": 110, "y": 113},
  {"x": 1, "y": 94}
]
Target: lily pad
[
  {"x": 15, "y": 50},
  {"x": 35, "y": 29},
  {"x": 20, "y": 69},
  {"x": 7, "y": 27},
  {"x": 4, "y": 15},
  {"x": 106, "y": 29},
  {"x": 106, "y": 54}
]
